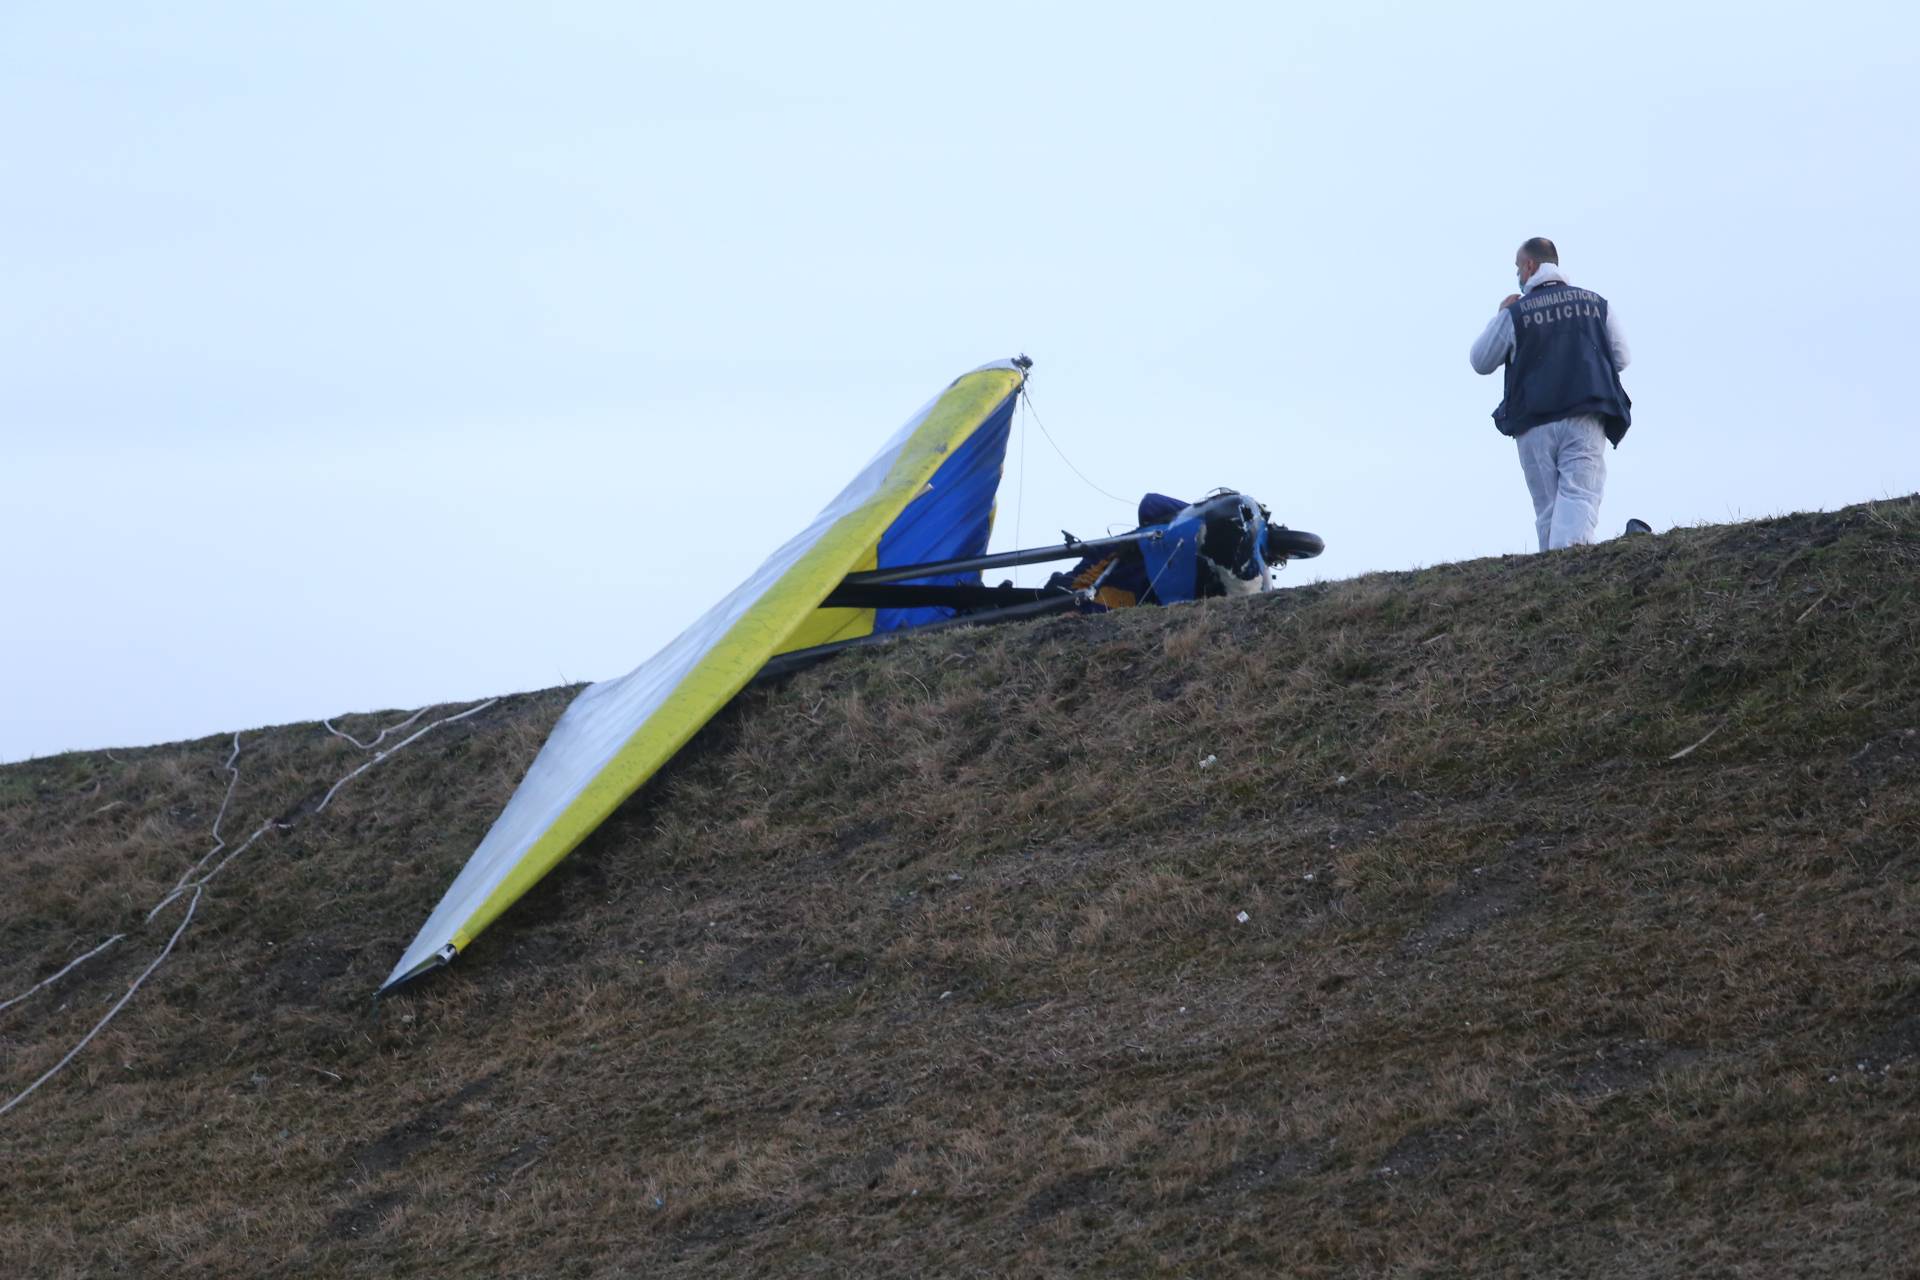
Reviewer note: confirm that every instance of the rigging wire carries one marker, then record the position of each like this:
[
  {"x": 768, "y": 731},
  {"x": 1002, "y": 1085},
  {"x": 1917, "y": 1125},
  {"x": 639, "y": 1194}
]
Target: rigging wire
[
  {"x": 1020, "y": 501},
  {"x": 1063, "y": 454}
]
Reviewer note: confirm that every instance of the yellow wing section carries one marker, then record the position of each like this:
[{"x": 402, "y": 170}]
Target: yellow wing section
[
  {"x": 827, "y": 626},
  {"x": 644, "y": 719}
]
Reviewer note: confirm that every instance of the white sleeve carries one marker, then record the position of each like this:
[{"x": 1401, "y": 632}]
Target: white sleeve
[
  {"x": 1495, "y": 343},
  {"x": 1617, "y": 339}
]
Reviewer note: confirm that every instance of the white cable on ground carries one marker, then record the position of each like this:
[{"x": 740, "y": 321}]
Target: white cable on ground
[
  {"x": 201, "y": 883},
  {"x": 219, "y": 841},
  {"x": 470, "y": 711},
  {"x": 272, "y": 825},
  {"x": 72, "y": 964},
  {"x": 118, "y": 1005},
  {"x": 198, "y": 886},
  {"x": 368, "y": 746}
]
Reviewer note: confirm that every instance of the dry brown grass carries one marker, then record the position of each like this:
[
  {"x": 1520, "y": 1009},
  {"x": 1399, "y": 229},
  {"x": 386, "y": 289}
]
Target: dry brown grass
[{"x": 928, "y": 962}]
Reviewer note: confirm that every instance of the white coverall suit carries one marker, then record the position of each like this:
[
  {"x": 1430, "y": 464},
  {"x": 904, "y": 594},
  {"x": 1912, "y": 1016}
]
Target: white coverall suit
[{"x": 1565, "y": 462}]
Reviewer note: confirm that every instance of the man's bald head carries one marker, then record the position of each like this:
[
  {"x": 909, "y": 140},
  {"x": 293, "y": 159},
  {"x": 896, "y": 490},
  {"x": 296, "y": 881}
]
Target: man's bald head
[{"x": 1532, "y": 255}]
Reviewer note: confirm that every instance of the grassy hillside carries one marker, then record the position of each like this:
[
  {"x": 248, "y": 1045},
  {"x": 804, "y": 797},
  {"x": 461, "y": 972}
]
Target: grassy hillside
[{"x": 1581, "y": 937}]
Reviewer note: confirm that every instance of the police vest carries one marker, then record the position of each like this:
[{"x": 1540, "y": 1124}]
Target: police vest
[{"x": 1562, "y": 365}]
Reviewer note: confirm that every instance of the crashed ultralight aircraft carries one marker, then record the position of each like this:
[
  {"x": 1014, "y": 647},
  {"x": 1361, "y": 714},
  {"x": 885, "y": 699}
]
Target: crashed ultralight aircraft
[{"x": 902, "y": 547}]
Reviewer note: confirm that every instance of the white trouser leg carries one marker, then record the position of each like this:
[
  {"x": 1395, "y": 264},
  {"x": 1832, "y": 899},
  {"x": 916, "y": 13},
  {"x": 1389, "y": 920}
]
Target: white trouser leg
[
  {"x": 1543, "y": 479},
  {"x": 1582, "y": 465}
]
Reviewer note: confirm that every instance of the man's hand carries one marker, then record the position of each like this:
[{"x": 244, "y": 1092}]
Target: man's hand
[{"x": 1507, "y": 301}]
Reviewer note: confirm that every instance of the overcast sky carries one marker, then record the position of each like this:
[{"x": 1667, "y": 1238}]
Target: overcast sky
[{"x": 360, "y": 356}]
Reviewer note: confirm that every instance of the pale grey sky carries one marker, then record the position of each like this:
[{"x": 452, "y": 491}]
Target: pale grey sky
[{"x": 368, "y": 355}]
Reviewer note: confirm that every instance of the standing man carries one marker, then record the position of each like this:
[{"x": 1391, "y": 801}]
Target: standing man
[{"x": 1563, "y": 351}]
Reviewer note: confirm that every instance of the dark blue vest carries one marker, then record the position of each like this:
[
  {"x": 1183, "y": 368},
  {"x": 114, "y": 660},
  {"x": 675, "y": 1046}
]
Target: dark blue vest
[{"x": 1562, "y": 365}]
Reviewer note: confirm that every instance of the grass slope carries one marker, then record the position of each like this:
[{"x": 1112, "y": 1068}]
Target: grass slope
[{"x": 930, "y": 962}]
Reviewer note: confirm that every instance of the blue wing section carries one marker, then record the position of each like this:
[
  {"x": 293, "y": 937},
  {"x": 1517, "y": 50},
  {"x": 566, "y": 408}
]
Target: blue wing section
[
  {"x": 1158, "y": 508},
  {"x": 1130, "y": 573},
  {"x": 954, "y": 518},
  {"x": 1173, "y": 560}
]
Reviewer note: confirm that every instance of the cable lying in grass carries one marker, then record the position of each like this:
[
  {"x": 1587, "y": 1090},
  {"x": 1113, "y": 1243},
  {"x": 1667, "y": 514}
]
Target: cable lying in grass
[
  {"x": 219, "y": 841},
  {"x": 179, "y": 886},
  {"x": 378, "y": 737},
  {"x": 70, "y": 966},
  {"x": 191, "y": 882},
  {"x": 118, "y": 1005}
]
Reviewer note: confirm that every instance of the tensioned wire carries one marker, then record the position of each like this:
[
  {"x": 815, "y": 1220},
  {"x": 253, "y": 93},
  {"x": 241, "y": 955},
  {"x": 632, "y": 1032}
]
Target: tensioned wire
[
  {"x": 1063, "y": 453},
  {"x": 1020, "y": 503}
]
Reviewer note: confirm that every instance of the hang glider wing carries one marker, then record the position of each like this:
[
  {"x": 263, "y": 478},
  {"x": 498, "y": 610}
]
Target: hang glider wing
[{"x": 927, "y": 496}]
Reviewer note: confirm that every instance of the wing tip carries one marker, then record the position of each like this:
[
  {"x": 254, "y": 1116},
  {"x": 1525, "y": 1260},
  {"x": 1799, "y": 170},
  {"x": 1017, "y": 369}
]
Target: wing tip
[{"x": 403, "y": 973}]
